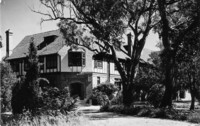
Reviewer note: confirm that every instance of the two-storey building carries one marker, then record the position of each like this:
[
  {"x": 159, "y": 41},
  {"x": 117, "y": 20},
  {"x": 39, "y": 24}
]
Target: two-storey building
[{"x": 77, "y": 68}]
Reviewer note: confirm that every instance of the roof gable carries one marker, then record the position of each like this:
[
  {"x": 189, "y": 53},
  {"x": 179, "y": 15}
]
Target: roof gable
[{"x": 21, "y": 50}]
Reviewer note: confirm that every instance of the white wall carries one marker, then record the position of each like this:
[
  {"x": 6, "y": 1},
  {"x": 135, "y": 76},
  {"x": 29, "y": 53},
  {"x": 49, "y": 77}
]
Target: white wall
[
  {"x": 187, "y": 96},
  {"x": 64, "y": 61},
  {"x": 103, "y": 78}
]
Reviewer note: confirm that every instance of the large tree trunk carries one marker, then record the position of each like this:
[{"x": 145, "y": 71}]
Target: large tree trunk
[
  {"x": 193, "y": 100},
  {"x": 168, "y": 61},
  {"x": 127, "y": 93},
  {"x": 192, "y": 92},
  {"x": 167, "y": 98}
]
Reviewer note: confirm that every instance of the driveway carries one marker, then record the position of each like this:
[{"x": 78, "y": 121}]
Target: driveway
[{"x": 112, "y": 119}]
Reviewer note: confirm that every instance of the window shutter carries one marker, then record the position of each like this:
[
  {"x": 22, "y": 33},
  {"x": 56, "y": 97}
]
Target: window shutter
[
  {"x": 69, "y": 59},
  {"x": 95, "y": 63},
  {"x": 83, "y": 59}
]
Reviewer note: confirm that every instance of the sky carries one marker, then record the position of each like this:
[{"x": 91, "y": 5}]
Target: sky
[{"x": 17, "y": 16}]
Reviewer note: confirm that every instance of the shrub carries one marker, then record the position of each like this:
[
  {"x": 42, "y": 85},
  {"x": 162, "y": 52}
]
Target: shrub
[
  {"x": 118, "y": 99},
  {"x": 107, "y": 88},
  {"x": 148, "y": 112},
  {"x": 194, "y": 117},
  {"x": 8, "y": 79},
  {"x": 28, "y": 91},
  {"x": 155, "y": 95},
  {"x": 103, "y": 93},
  {"x": 54, "y": 118},
  {"x": 25, "y": 96},
  {"x": 55, "y": 99}
]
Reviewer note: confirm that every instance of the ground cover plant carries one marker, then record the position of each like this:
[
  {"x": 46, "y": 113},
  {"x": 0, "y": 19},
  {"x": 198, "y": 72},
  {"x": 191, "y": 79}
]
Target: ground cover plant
[
  {"x": 35, "y": 102},
  {"x": 53, "y": 118},
  {"x": 173, "y": 114},
  {"x": 102, "y": 94}
]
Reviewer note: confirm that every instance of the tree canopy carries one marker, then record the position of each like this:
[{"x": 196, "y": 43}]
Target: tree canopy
[{"x": 105, "y": 22}]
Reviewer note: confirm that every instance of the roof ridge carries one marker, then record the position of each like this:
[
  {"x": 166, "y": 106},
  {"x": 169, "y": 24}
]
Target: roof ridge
[{"x": 41, "y": 33}]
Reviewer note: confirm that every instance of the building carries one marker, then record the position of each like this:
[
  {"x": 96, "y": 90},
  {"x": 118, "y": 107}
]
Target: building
[
  {"x": 63, "y": 65},
  {"x": 76, "y": 68}
]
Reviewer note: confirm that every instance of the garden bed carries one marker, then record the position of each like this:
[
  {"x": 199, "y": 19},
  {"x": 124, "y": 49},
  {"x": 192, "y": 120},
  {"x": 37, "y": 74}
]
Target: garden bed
[{"x": 173, "y": 114}]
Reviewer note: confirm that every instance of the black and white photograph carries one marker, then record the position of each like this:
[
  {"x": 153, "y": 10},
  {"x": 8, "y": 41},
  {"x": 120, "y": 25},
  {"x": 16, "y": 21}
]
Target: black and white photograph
[{"x": 100, "y": 62}]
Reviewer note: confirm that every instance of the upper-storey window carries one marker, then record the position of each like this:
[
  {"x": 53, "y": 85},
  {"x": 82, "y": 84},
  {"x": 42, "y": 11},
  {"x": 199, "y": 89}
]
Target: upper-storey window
[
  {"x": 47, "y": 41},
  {"x": 76, "y": 58},
  {"x": 41, "y": 63},
  {"x": 51, "y": 61},
  {"x": 98, "y": 64}
]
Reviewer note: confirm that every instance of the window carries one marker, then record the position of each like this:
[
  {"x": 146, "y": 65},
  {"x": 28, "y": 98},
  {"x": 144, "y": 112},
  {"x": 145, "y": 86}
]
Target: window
[
  {"x": 98, "y": 80},
  {"x": 15, "y": 65},
  {"x": 26, "y": 65},
  {"x": 98, "y": 64},
  {"x": 51, "y": 61},
  {"x": 41, "y": 63},
  {"x": 115, "y": 67},
  {"x": 182, "y": 94},
  {"x": 118, "y": 82},
  {"x": 47, "y": 40},
  {"x": 76, "y": 58},
  {"x": 83, "y": 59}
]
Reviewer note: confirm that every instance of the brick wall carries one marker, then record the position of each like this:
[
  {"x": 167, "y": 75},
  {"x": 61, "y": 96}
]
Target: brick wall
[{"x": 62, "y": 80}]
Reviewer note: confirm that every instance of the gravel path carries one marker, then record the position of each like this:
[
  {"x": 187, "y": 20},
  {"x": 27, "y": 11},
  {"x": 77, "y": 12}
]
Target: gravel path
[{"x": 112, "y": 119}]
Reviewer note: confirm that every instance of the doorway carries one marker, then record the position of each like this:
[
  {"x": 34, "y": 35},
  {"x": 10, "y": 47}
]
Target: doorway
[{"x": 77, "y": 89}]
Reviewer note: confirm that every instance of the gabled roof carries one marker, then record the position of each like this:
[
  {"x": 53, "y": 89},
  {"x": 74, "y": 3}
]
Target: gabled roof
[{"x": 21, "y": 50}]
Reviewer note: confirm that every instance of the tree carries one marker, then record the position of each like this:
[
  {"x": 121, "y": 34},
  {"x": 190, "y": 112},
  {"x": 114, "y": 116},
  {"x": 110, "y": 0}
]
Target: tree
[
  {"x": 178, "y": 18},
  {"x": 103, "y": 23},
  {"x": 26, "y": 92},
  {"x": 8, "y": 79},
  {"x": 188, "y": 64}
]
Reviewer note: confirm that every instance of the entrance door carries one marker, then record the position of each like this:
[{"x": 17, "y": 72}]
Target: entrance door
[{"x": 76, "y": 89}]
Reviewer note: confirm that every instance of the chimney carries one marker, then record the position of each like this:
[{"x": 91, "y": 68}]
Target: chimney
[
  {"x": 8, "y": 38},
  {"x": 129, "y": 44}
]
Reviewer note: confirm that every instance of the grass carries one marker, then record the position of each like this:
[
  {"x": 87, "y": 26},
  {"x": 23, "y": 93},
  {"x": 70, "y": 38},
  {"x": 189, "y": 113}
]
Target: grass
[
  {"x": 194, "y": 117},
  {"x": 141, "y": 111},
  {"x": 185, "y": 105},
  {"x": 54, "y": 119}
]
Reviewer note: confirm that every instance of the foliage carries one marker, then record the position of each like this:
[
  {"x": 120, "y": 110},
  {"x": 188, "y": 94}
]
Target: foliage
[
  {"x": 100, "y": 26},
  {"x": 177, "y": 19},
  {"x": 155, "y": 95},
  {"x": 107, "y": 88},
  {"x": 8, "y": 79},
  {"x": 118, "y": 99},
  {"x": 54, "y": 118},
  {"x": 34, "y": 94},
  {"x": 147, "y": 76},
  {"x": 103, "y": 93},
  {"x": 194, "y": 117},
  {"x": 54, "y": 99},
  {"x": 27, "y": 91},
  {"x": 188, "y": 64},
  {"x": 148, "y": 112}
]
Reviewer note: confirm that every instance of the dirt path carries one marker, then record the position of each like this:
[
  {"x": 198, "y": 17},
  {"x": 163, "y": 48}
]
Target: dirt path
[{"x": 112, "y": 119}]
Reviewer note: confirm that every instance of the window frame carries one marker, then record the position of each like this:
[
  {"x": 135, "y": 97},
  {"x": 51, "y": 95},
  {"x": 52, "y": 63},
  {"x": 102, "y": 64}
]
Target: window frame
[
  {"x": 98, "y": 64},
  {"x": 15, "y": 65},
  {"x": 98, "y": 80},
  {"x": 76, "y": 61},
  {"x": 51, "y": 62},
  {"x": 41, "y": 62}
]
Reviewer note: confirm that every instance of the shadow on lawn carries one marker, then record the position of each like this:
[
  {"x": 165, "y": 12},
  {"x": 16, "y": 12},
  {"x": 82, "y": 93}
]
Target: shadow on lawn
[{"x": 95, "y": 114}]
